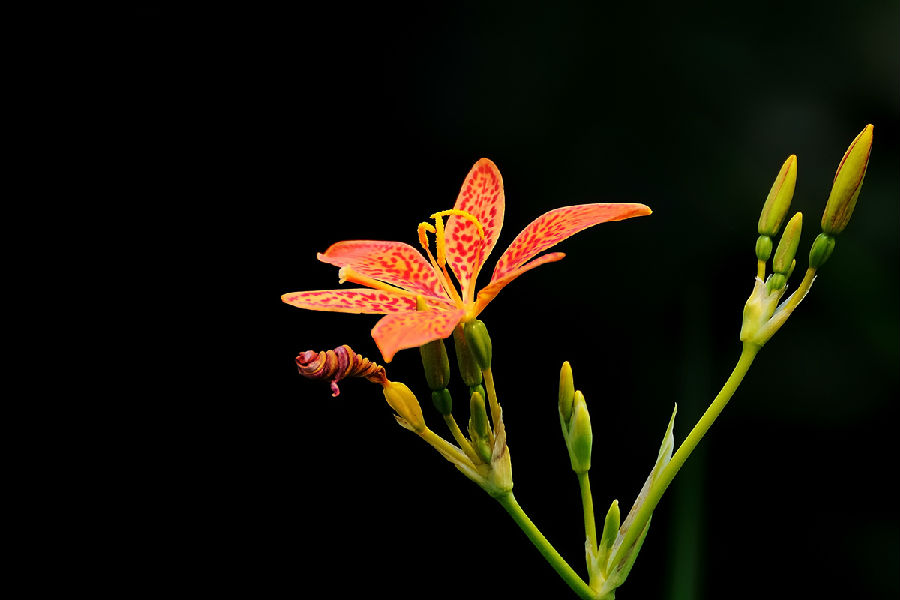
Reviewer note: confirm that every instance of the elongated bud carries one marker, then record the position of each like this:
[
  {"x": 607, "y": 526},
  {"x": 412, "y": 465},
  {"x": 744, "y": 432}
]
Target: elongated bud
[
  {"x": 610, "y": 532},
  {"x": 566, "y": 391},
  {"x": 821, "y": 249},
  {"x": 442, "y": 401},
  {"x": 479, "y": 343},
  {"x": 787, "y": 247},
  {"x": 468, "y": 366},
  {"x": 434, "y": 358},
  {"x": 581, "y": 437},
  {"x": 405, "y": 404},
  {"x": 847, "y": 183},
  {"x": 779, "y": 200},
  {"x": 436, "y": 364},
  {"x": 479, "y": 430}
]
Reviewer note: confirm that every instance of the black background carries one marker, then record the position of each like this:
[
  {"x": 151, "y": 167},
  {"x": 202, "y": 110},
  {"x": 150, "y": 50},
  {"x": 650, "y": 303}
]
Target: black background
[{"x": 265, "y": 137}]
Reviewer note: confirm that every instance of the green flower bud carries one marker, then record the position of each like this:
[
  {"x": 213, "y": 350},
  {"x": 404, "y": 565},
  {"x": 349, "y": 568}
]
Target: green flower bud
[
  {"x": 479, "y": 430},
  {"x": 404, "y": 402},
  {"x": 787, "y": 247},
  {"x": 763, "y": 248},
  {"x": 776, "y": 281},
  {"x": 434, "y": 358},
  {"x": 779, "y": 200},
  {"x": 847, "y": 183},
  {"x": 477, "y": 389},
  {"x": 479, "y": 343},
  {"x": 581, "y": 437},
  {"x": 436, "y": 364},
  {"x": 821, "y": 250},
  {"x": 566, "y": 391},
  {"x": 610, "y": 531},
  {"x": 468, "y": 367},
  {"x": 442, "y": 400}
]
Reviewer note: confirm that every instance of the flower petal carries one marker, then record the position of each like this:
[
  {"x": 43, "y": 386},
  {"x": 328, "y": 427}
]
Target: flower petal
[
  {"x": 490, "y": 291},
  {"x": 410, "y": 330},
  {"x": 391, "y": 262},
  {"x": 482, "y": 197},
  {"x": 553, "y": 227},
  {"x": 353, "y": 300}
]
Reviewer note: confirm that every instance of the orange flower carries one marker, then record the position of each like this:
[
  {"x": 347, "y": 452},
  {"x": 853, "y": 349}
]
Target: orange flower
[{"x": 395, "y": 273}]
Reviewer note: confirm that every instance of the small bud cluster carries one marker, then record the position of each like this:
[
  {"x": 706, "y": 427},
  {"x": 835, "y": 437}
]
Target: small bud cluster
[
  {"x": 575, "y": 421},
  {"x": 762, "y": 314}
]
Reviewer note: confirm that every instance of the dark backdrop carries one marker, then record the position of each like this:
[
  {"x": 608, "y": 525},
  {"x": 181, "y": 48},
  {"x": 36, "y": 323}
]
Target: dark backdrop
[{"x": 297, "y": 129}]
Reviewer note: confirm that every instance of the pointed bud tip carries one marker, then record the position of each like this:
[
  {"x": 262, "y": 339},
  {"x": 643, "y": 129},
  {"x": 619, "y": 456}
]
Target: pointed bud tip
[
  {"x": 566, "y": 391},
  {"x": 848, "y": 180},
  {"x": 778, "y": 202},
  {"x": 787, "y": 246}
]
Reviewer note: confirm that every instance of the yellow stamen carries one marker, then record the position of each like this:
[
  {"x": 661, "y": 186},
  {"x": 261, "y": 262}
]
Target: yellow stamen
[
  {"x": 464, "y": 214},
  {"x": 437, "y": 265},
  {"x": 440, "y": 242},
  {"x": 348, "y": 274},
  {"x": 423, "y": 239}
]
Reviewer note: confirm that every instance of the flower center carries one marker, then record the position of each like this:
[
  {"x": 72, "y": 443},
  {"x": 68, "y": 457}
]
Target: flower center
[{"x": 440, "y": 264}]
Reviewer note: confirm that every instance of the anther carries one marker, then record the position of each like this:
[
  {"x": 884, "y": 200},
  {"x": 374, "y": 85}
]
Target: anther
[{"x": 464, "y": 214}]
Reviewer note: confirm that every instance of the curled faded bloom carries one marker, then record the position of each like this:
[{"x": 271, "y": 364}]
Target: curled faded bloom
[{"x": 337, "y": 364}]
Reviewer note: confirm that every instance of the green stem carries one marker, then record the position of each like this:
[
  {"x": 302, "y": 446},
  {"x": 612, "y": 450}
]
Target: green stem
[
  {"x": 668, "y": 474},
  {"x": 492, "y": 396},
  {"x": 448, "y": 450},
  {"x": 549, "y": 553},
  {"x": 460, "y": 438},
  {"x": 587, "y": 503}
]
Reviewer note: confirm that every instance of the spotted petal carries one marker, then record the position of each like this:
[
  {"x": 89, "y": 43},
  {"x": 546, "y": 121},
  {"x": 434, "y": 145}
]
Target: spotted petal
[
  {"x": 410, "y": 330},
  {"x": 481, "y": 196},
  {"x": 553, "y": 227},
  {"x": 354, "y": 300},
  {"x": 391, "y": 262}
]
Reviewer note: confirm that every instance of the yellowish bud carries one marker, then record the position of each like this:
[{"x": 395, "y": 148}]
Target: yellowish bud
[
  {"x": 581, "y": 437},
  {"x": 779, "y": 200},
  {"x": 405, "y": 404},
  {"x": 787, "y": 247},
  {"x": 610, "y": 532},
  {"x": 566, "y": 391},
  {"x": 847, "y": 183}
]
